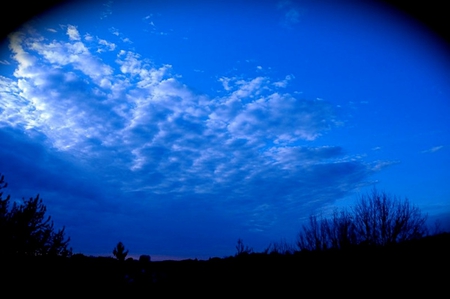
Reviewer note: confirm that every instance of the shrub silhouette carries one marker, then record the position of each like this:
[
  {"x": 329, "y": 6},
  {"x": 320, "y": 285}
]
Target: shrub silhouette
[
  {"x": 281, "y": 247},
  {"x": 377, "y": 219},
  {"x": 144, "y": 258},
  {"x": 25, "y": 230},
  {"x": 119, "y": 251},
  {"x": 241, "y": 249}
]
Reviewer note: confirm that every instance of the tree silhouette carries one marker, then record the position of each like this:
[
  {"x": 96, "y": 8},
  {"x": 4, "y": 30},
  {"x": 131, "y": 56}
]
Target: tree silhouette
[
  {"x": 241, "y": 249},
  {"x": 381, "y": 219},
  {"x": 25, "y": 230},
  {"x": 4, "y": 214},
  {"x": 280, "y": 247},
  {"x": 337, "y": 232},
  {"x": 377, "y": 219},
  {"x": 119, "y": 251}
]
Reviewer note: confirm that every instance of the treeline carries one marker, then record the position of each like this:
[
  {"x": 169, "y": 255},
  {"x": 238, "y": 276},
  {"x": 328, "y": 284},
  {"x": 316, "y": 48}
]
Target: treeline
[
  {"x": 403, "y": 268},
  {"x": 375, "y": 242}
]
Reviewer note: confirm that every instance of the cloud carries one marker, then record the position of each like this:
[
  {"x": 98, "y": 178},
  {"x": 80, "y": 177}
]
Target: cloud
[
  {"x": 114, "y": 31},
  {"x": 283, "y": 4},
  {"x": 292, "y": 16},
  {"x": 282, "y": 119},
  {"x": 295, "y": 156},
  {"x": 14, "y": 109},
  {"x": 72, "y": 32},
  {"x": 379, "y": 165},
  {"x": 75, "y": 55},
  {"x": 283, "y": 83},
  {"x": 291, "y": 13},
  {"x": 105, "y": 45},
  {"x": 88, "y": 37},
  {"x": 107, "y": 11},
  {"x": 19, "y": 54},
  {"x": 49, "y": 89},
  {"x": 433, "y": 149},
  {"x": 225, "y": 82}
]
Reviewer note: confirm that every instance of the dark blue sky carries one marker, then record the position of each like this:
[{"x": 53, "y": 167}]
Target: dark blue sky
[{"x": 178, "y": 128}]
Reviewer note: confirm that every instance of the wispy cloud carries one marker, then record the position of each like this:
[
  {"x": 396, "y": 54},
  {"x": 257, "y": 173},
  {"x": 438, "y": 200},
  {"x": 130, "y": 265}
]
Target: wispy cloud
[
  {"x": 379, "y": 165},
  {"x": 107, "y": 10},
  {"x": 152, "y": 27},
  {"x": 114, "y": 31},
  {"x": 117, "y": 33},
  {"x": 292, "y": 16},
  {"x": 433, "y": 149},
  {"x": 291, "y": 13}
]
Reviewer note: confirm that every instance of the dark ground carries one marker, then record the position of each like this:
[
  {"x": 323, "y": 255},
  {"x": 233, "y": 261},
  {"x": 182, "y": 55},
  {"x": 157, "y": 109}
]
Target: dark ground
[{"x": 412, "y": 268}]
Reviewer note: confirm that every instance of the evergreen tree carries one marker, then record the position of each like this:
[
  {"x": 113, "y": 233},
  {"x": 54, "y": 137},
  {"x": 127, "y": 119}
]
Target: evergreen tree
[
  {"x": 26, "y": 230},
  {"x": 119, "y": 251}
]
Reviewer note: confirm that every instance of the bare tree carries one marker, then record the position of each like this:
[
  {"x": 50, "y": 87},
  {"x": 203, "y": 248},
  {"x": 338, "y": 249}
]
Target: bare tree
[
  {"x": 376, "y": 219},
  {"x": 381, "y": 219},
  {"x": 322, "y": 233},
  {"x": 314, "y": 235}
]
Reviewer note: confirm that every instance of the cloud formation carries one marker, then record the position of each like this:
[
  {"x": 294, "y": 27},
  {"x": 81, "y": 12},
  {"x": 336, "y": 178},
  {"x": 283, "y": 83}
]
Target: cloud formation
[{"x": 139, "y": 130}]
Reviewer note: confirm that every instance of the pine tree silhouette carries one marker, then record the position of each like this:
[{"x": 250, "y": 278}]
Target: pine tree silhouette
[{"x": 119, "y": 251}]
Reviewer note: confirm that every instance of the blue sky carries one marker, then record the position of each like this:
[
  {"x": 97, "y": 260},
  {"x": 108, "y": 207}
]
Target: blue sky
[{"x": 178, "y": 128}]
